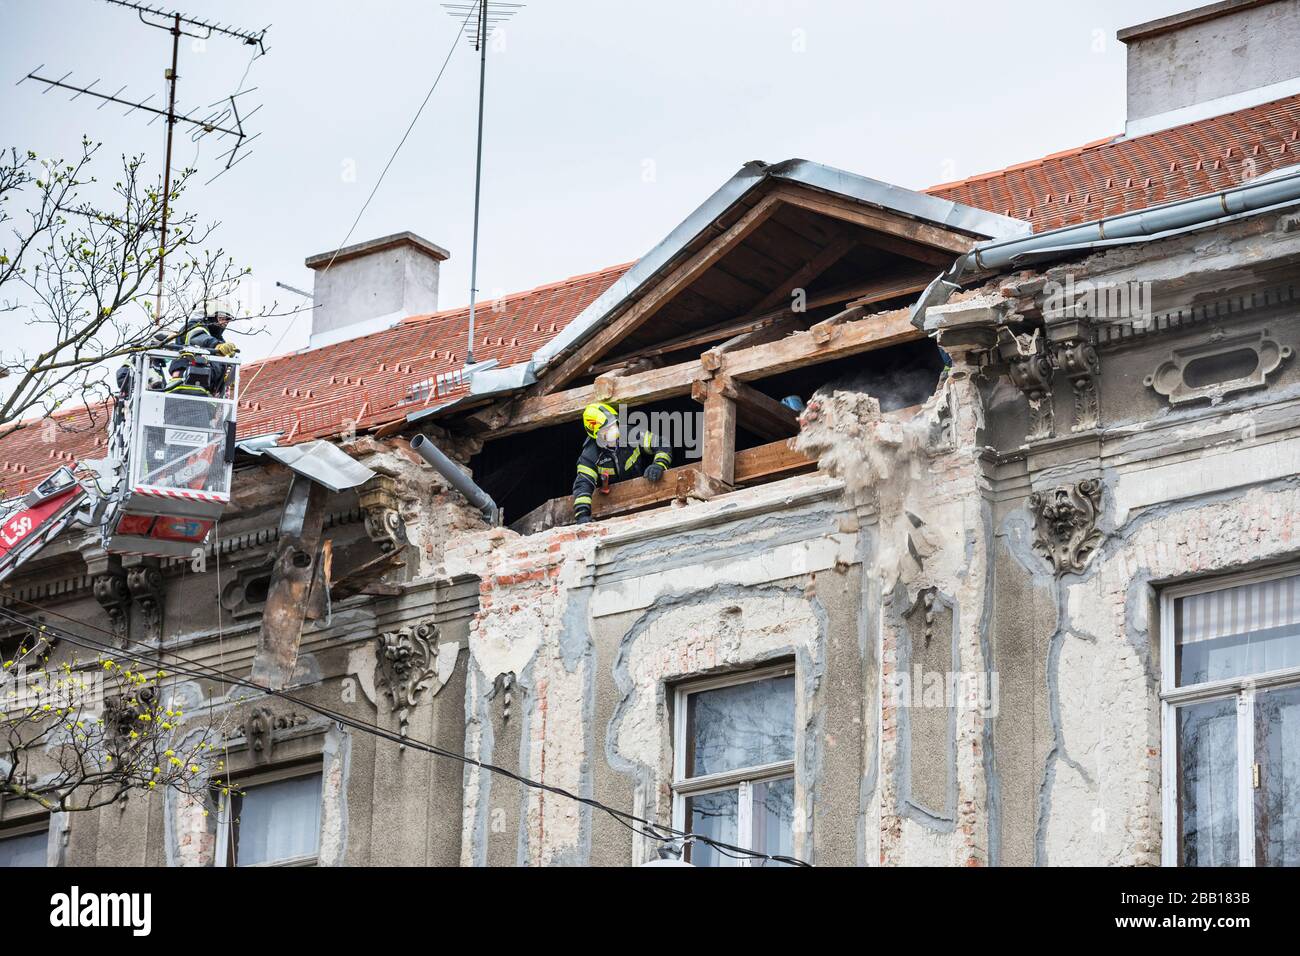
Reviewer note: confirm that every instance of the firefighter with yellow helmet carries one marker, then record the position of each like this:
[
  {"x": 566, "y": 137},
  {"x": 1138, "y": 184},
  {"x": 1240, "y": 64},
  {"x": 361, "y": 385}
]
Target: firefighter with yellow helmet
[{"x": 607, "y": 456}]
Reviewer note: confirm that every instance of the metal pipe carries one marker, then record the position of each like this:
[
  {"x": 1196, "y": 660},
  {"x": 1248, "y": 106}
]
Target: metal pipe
[
  {"x": 478, "y": 179},
  {"x": 1139, "y": 226},
  {"x": 423, "y": 446},
  {"x": 167, "y": 162}
]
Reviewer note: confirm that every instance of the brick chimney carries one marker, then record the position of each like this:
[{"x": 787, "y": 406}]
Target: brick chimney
[
  {"x": 370, "y": 286},
  {"x": 1210, "y": 60}
]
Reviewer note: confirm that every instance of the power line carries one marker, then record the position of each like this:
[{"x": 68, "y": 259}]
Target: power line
[
  {"x": 379, "y": 182},
  {"x": 178, "y": 25},
  {"x": 640, "y": 825}
]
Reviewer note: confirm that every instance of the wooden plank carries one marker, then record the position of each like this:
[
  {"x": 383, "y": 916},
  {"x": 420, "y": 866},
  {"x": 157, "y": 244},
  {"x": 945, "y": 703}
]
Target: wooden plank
[
  {"x": 681, "y": 483},
  {"x": 549, "y": 514},
  {"x": 297, "y": 552},
  {"x": 911, "y": 250},
  {"x": 761, "y": 319},
  {"x": 810, "y": 270},
  {"x": 719, "y": 448},
  {"x": 769, "y": 462},
  {"x": 877, "y": 219},
  {"x": 769, "y": 331},
  {"x": 759, "y": 361},
  {"x": 721, "y": 330},
  {"x": 759, "y": 413},
  {"x": 908, "y": 284},
  {"x": 657, "y": 297}
]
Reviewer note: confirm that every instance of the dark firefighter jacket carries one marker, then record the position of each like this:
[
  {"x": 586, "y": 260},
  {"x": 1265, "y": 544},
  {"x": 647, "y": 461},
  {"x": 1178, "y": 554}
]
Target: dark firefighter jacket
[
  {"x": 597, "y": 464},
  {"x": 198, "y": 333},
  {"x": 202, "y": 335}
]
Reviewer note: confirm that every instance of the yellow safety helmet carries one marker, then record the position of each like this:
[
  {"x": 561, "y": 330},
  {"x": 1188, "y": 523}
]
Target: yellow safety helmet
[{"x": 597, "y": 416}]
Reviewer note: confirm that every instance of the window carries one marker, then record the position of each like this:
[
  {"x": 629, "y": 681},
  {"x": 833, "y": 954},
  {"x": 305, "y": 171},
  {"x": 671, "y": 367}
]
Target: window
[
  {"x": 272, "y": 821},
  {"x": 734, "y": 764},
  {"x": 25, "y": 844},
  {"x": 1231, "y": 721}
]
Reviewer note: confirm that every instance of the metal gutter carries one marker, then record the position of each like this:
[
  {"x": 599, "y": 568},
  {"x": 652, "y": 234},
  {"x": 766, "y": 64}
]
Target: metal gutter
[{"x": 1143, "y": 225}]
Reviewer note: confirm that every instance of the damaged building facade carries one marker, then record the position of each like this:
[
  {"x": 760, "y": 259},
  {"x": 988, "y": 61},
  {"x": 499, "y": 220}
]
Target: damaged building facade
[{"x": 1019, "y": 584}]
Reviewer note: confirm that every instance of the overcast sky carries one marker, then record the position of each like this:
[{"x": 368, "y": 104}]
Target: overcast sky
[{"x": 607, "y": 122}]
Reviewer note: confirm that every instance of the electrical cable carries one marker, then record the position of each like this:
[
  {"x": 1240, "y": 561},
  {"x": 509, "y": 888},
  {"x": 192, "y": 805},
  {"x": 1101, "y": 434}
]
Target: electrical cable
[
  {"x": 644, "y": 827},
  {"x": 379, "y": 182}
]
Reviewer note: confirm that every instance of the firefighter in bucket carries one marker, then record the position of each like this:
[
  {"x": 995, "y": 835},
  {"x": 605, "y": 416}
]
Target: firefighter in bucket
[{"x": 195, "y": 371}]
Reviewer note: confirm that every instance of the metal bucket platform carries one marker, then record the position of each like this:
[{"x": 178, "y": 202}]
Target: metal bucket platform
[{"x": 179, "y": 450}]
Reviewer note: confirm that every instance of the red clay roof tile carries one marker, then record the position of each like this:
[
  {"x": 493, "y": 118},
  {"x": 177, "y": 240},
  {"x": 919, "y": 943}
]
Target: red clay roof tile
[{"x": 1111, "y": 176}]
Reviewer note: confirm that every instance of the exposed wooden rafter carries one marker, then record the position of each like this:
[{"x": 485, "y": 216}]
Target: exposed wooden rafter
[
  {"x": 600, "y": 343},
  {"x": 797, "y": 350}
]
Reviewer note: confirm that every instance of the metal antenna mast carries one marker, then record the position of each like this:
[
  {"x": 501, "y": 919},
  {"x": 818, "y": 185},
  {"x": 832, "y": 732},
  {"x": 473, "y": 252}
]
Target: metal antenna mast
[
  {"x": 176, "y": 24},
  {"x": 489, "y": 18}
]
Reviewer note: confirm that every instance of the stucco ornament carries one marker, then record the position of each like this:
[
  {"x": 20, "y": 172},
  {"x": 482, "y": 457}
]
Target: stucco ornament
[
  {"x": 1065, "y": 524},
  {"x": 1030, "y": 368},
  {"x": 407, "y": 661}
]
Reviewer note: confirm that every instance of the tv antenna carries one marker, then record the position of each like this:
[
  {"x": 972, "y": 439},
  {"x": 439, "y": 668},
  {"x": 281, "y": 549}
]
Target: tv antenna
[
  {"x": 490, "y": 17},
  {"x": 221, "y": 117}
]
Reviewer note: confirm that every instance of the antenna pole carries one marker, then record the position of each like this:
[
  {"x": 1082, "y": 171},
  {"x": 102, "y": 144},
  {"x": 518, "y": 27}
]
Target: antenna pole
[
  {"x": 167, "y": 161},
  {"x": 478, "y": 177}
]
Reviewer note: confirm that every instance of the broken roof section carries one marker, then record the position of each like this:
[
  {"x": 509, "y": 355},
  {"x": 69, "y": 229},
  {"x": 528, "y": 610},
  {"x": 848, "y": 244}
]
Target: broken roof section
[
  {"x": 735, "y": 212},
  {"x": 376, "y": 380}
]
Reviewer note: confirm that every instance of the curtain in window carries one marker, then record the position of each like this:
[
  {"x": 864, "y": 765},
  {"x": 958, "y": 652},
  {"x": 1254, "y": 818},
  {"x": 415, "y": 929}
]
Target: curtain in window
[
  {"x": 1207, "y": 799},
  {"x": 25, "y": 850},
  {"x": 1251, "y": 628},
  {"x": 1277, "y": 799},
  {"x": 279, "y": 821}
]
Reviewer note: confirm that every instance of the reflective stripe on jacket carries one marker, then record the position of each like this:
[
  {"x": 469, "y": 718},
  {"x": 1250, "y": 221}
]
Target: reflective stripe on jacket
[{"x": 596, "y": 464}]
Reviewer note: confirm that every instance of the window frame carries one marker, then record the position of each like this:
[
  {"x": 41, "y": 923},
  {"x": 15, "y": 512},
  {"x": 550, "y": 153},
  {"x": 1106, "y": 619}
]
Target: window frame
[
  {"x": 20, "y": 828},
  {"x": 1242, "y": 688},
  {"x": 743, "y": 779},
  {"x": 251, "y": 781}
]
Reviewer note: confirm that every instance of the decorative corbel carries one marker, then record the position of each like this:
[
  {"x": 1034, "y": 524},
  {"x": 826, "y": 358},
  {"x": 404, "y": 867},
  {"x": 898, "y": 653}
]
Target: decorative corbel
[
  {"x": 145, "y": 582},
  {"x": 122, "y": 714},
  {"x": 259, "y": 731},
  {"x": 1065, "y": 524},
  {"x": 407, "y": 660},
  {"x": 1077, "y": 358},
  {"x": 382, "y": 509},
  {"x": 1030, "y": 367},
  {"x": 114, "y": 596}
]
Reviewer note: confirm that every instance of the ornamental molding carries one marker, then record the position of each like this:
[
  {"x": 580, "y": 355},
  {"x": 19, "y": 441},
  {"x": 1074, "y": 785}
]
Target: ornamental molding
[
  {"x": 410, "y": 665},
  {"x": 1221, "y": 366},
  {"x": 1065, "y": 524},
  {"x": 1029, "y": 365}
]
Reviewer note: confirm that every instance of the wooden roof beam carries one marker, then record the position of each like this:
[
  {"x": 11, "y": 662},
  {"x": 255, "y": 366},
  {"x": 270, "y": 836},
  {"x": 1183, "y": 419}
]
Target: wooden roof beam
[
  {"x": 640, "y": 312},
  {"x": 797, "y": 350},
  {"x": 877, "y": 220}
]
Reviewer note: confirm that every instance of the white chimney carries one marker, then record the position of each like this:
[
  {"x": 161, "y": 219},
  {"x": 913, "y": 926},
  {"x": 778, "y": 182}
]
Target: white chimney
[
  {"x": 1211, "y": 60},
  {"x": 372, "y": 285}
]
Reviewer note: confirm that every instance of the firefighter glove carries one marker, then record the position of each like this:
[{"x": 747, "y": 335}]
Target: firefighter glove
[{"x": 654, "y": 473}]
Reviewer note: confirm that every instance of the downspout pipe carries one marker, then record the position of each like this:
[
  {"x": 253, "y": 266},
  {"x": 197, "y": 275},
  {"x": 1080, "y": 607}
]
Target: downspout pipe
[
  {"x": 1121, "y": 229},
  {"x": 480, "y": 499}
]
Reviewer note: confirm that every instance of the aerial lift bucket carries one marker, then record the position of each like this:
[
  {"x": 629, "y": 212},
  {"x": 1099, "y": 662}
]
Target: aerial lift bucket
[{"x": 179, "y": 449}]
